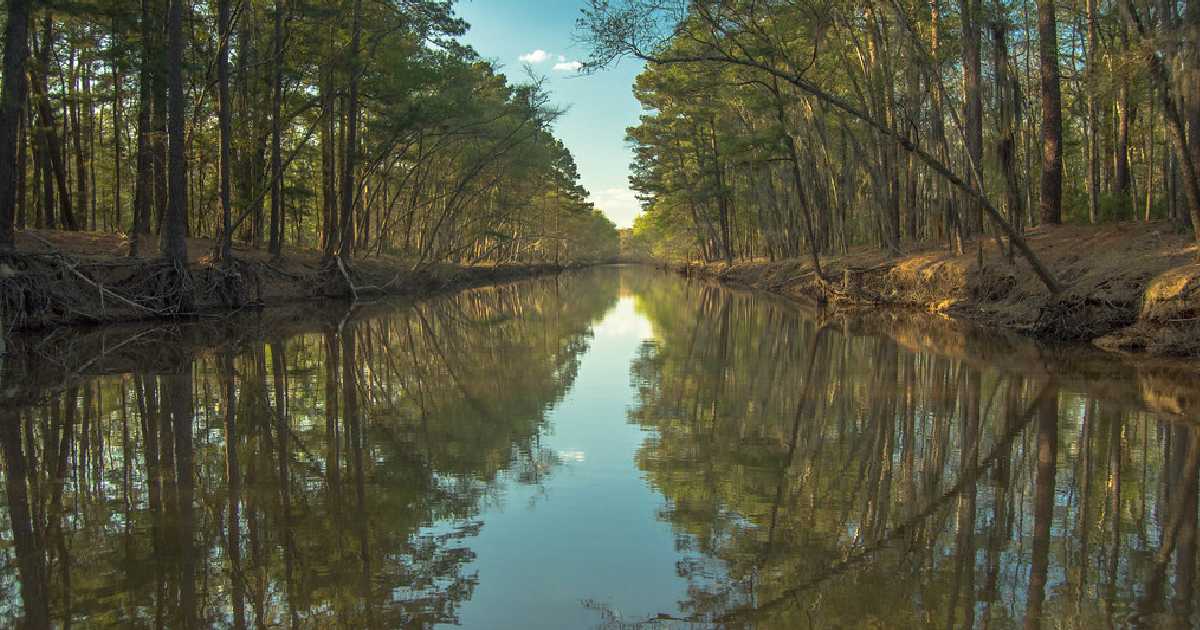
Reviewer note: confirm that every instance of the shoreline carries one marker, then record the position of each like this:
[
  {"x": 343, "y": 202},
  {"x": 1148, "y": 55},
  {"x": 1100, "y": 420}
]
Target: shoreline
[
  {"x": 39, "y": 361},
  {"x": 51, "y": 359},
  {"x": 1143, "y": 300},
  {"x": 53, "y": 286}
]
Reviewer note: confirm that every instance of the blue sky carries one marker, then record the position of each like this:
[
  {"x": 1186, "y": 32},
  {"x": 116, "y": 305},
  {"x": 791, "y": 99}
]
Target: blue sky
[{"x": 600, "y": 106}]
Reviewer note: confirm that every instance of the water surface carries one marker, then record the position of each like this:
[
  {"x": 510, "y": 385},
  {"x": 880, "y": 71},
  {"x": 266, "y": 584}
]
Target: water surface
[{"x": 608, "y": 448}]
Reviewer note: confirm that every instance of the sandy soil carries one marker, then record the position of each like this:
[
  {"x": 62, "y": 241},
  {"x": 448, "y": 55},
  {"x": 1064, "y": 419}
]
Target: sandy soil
[{"x": 1130, "y": 287}]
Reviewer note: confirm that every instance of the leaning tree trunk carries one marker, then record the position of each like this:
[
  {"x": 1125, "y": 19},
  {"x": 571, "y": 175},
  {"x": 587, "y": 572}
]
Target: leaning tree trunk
[{"x": 12, "y": 105}]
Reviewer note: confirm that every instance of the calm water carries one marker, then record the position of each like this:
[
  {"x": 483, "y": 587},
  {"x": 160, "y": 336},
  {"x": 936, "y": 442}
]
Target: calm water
[{"x": 610, "y": 448}]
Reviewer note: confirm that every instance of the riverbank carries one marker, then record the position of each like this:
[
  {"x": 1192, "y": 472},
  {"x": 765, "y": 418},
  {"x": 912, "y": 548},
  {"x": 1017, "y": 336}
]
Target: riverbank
[
  {"x": 67, "y": 278},
  {"x": 1131, "y": 288}
]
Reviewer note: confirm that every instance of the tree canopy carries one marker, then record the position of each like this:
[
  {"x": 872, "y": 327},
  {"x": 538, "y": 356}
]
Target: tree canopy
[
  {"x": 782, "y": 128},
  {"x": 359, "y": 127}
]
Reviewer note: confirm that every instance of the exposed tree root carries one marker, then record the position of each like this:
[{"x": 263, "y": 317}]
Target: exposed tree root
[{"x": 50, "y": 288}]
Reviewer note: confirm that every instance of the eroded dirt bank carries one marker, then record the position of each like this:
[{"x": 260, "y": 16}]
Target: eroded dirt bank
[
  {"x": 67, "y": 278},
  {"x": 1129, "y": 287}
]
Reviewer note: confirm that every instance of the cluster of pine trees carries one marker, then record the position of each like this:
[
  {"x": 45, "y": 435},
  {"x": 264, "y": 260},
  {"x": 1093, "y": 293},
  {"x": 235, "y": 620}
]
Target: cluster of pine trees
[
  {"x": 359, "y": 127},
  {"x": 794, "y": 128}
]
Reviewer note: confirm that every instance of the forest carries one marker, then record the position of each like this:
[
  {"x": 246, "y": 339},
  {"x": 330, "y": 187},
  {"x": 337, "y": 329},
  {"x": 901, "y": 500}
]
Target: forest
[
  {"x": 802, "y": 129},
  {"x": 346, "y": 128}
]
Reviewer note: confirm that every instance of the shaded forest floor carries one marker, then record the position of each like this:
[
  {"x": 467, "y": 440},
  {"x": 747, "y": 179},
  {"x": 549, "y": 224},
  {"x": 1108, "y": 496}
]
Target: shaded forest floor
[
  {"x": 56, "y": 278},
  {"x": 1130, "y": 287}
]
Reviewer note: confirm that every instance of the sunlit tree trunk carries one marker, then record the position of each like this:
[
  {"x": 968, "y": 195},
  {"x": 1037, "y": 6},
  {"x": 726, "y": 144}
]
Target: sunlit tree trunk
[
  {"x": 1051, "y": 197},
  {"x": 1006, "y": 143},
  {"x": 973, "y": 107}
]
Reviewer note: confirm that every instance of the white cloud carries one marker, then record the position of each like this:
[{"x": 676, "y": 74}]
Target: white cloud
[
  {"x": 537, "y": 56},
  {"x": 561, "y": 58},
  {"x": 620, "y": 205},
  {"x": 568, "y": 66}
]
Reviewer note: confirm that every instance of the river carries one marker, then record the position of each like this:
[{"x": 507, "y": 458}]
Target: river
[{"x": 614, "y": 447}]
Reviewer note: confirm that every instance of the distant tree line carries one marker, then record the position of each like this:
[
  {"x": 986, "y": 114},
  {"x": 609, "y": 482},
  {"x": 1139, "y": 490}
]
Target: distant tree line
[{"x": 357, "y": 127}]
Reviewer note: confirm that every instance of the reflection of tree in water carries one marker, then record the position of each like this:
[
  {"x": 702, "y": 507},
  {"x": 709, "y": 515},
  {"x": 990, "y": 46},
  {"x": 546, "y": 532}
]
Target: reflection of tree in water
[
  {"x": 324, "y": 479},
  {"x": 822, "y": 478}
]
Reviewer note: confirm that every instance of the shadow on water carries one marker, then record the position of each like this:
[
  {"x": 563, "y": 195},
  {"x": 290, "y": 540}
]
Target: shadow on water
[{"x": 325, "y": 469}]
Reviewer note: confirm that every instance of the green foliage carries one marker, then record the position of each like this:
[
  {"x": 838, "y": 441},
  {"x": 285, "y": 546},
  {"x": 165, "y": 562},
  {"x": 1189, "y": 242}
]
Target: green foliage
[
  {"x": 771, "y": 128},
  {"x": 456, "y": 162}
]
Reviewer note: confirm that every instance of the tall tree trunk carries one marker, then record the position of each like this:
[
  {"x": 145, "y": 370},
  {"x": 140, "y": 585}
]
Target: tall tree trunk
[
  {"x": 912, "y": 203},
  {"x": 973, "y": 93},
  {"x": 22, "y": 164},
  {"x": 90, "y": 133},
  {"x": 118, "y": 131},
  {"x": 42, "y": 179},
  {"x": 1126, "y": 114},
  {"x": 55, "y": 153},
  {"x": 1191, "y": 100},
  {"x": 1006, "y": 142},
  {"x": 350, "y": 161},
  {"x": 723, "y": 195},
  {"x": 799, "y": 188},
  {"x": 159, "y": 112},
  {"x": 1093, "y": 113},
  {"x": 224, "y": 123},
  {"x": 276, "y": 244},
  {"x": 13, "y": 97},
  {"x": 1051, "y": 199},
  {"x": 329, "y": 199},
  {"x": 81, "y": 179},
  {"x": 143, "y": 193},
  {"x": 174, "y": 232},
  {"x": 950, "y": 222}
]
